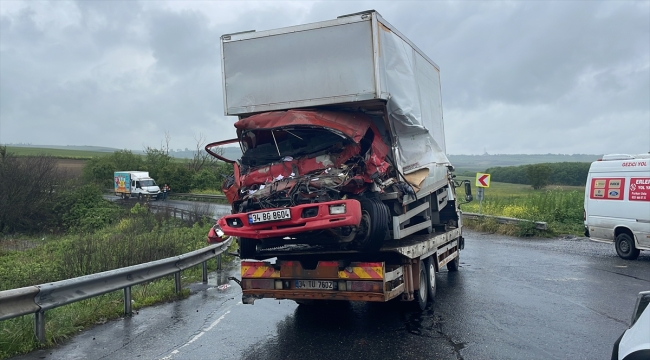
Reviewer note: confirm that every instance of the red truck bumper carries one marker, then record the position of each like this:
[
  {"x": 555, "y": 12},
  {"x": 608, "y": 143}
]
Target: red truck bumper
[{"x": 304, "y": 218}]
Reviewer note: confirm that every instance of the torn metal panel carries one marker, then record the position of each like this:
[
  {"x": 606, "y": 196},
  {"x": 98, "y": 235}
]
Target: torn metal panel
[{"x": 352, "y": 124}]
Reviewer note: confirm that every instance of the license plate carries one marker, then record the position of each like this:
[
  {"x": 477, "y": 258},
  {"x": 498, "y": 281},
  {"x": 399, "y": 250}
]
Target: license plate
[
  {"x": 315, "y": 285},
  {"x": 273, "y": 215}
]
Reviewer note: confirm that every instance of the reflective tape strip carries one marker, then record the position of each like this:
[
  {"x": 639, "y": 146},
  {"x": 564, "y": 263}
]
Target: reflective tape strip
[
  {"x": 259, "y": 272},
  {"x": 362, "y": 272}
]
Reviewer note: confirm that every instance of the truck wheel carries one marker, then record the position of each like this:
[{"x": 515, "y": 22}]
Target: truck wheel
[
  {"x": 374, "y": 224},
  {"x": 625, "y": 247},
  {"x": 422, "y": 294},
  {"x": 454, "y": 264},
  {"x": 247, "y": 248},
  {"x": 431, "y": 272}
]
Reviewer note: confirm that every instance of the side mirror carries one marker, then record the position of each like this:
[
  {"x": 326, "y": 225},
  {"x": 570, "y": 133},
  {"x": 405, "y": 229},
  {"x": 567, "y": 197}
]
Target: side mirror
[
  {"x": 642, "y": 302},
  {"x": 468, "y": 192}
]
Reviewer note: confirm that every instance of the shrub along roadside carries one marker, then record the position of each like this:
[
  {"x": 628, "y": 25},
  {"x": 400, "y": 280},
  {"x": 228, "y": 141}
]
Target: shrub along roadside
[
  {"x": 562, "y": 210},
  {"x": 138, "y": 238}
]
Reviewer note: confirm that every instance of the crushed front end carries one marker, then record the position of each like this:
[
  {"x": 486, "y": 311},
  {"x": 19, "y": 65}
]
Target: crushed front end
[{"x": 300, "y": 175}]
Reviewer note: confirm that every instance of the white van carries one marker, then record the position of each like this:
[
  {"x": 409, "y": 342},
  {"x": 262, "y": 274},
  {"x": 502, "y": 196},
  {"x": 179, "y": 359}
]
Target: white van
[
  {"x": 617, "y": 203},
  {"x": 135, "y": 184}
]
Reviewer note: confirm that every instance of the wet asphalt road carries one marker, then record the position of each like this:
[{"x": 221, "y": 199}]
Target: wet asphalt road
[{"x": 512, "y": 299}]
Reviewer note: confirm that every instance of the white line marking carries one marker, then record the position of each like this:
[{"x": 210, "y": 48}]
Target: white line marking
[{"x": 198, "y": 336}]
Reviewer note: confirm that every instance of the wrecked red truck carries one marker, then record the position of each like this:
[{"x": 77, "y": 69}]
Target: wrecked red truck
[{"x": 343, "y": 180}]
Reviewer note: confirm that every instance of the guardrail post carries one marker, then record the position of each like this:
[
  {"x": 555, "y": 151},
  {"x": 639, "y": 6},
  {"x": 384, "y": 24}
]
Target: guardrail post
[
  {"x": 177, "y": 280},
  {"x": 205, "y": 272},
  {"x": 39, "y": 326},
  {"x": 127, "y": 301},
  {"x": 219, "y": 262}
]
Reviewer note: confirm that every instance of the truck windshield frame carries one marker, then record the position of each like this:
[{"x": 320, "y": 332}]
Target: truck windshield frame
[
  {"x": 264, "y": 146},
  {"x": 149, "y": 182}
]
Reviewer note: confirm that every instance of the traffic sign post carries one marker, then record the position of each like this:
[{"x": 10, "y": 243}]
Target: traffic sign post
[{"x": 482, "y": 182}]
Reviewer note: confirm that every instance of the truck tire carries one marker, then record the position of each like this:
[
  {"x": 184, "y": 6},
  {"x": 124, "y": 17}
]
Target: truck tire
[
  {"x": 422, "y": 294},
  {"x": 625, "y": 247},
  {"x": 431, "y": 273},
  {"x": 247, "y": 248},
  {"x": 375, "y": 218},
  {"x": 454, "y": 264}
]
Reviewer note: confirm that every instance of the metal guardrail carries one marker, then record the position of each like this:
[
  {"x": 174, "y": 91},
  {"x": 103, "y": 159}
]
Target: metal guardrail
[
  {"x": 199, "y": 196},
  {"x": 539, "y": 225},
  {"x": 37, "y": 299},
  {"x": 178, "y": 213}
]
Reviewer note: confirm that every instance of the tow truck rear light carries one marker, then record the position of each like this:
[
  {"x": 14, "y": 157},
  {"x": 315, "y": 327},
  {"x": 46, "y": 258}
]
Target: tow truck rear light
[{"x": 337, "y": 209}]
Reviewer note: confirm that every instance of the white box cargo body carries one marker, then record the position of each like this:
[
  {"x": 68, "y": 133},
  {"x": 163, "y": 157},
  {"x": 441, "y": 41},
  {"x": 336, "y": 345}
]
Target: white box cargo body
[
  {"x": 617, "y": 203},
  {"x": 358, "y": 60}
]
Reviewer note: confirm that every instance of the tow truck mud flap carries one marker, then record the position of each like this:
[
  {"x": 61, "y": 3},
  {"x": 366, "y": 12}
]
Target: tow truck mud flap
[{"x": 328, "y": 280}]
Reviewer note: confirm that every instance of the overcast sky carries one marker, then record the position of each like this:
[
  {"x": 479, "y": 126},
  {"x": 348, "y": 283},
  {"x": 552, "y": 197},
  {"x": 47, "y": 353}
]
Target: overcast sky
[{"x": 517, "y": 77}]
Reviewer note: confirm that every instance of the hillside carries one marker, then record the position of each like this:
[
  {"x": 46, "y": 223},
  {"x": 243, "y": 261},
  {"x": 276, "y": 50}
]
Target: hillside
[
  {"x": 478, "y": 163},
  {"x": 462, "y": 163}
]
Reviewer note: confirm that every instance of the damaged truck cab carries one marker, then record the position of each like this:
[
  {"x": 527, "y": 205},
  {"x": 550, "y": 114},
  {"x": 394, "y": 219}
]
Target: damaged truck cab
[
  {"x": 343, "y": 152},
  {"x": 308, "y": 177}
]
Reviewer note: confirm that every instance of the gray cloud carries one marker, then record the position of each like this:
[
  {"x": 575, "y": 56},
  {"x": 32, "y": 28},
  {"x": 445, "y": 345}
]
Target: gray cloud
[{"x": 518, "y": 77}]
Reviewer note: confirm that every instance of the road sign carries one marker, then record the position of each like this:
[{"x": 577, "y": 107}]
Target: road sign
[{"x": 482, "y": 180}]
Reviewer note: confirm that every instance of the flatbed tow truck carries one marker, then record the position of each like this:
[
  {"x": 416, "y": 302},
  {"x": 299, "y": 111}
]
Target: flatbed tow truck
[
  {"x": 403, "y": 269},
  {"x": 344, "y": 190}
]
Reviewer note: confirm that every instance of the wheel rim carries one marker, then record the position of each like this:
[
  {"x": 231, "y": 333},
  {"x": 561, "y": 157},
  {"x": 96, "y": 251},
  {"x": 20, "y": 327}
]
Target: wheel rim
[
  {"x": 624, "y": 246},
  {"x": 432, "y": 276}
]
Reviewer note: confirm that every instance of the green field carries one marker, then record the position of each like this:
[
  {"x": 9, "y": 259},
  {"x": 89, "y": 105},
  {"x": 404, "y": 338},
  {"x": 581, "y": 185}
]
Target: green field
[
  {"x": 58, "y": 153},
  {"x": 560, "y": 206}
]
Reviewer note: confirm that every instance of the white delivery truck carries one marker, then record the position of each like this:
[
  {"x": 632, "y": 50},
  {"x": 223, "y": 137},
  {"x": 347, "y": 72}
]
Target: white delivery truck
[
  {"x": 617, "y": 203},
  {"x": 135, "y": 184}
]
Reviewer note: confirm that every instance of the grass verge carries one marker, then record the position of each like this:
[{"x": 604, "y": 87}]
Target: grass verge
[
  {"x": 559, "y": 206},
  {"x": 141, "y": 237}
]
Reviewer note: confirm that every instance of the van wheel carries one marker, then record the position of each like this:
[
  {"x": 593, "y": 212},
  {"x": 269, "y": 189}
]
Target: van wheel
[
  {"x": 373, "y": 229},
  {"x": 247, "y": 248},
  {"x": 431, "y": 272},
  {"x": 625, "y": 247}
]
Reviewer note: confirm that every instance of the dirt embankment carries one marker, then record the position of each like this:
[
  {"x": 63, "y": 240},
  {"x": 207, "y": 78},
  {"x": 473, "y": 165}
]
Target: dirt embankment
[{"x": 73, "y": 167}]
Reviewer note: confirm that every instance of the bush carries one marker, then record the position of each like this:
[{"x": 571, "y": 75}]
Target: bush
[
  {"x": 538, "y": 175},
  {"x": 28, "y": 191},
  {"x": 564, "y": 173},
  {"x": 100, "y": 169},
  {"x": 84, "y": 209}
]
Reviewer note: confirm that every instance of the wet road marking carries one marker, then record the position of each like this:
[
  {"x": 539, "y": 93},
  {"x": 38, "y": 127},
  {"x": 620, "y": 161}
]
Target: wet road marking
[
  {"x": 198, "y": 336},
  {"x": 566, "y": 279}
]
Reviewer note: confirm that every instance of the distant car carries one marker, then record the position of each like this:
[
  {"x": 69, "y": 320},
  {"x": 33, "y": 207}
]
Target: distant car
[{"x": 634, "y": 343}]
